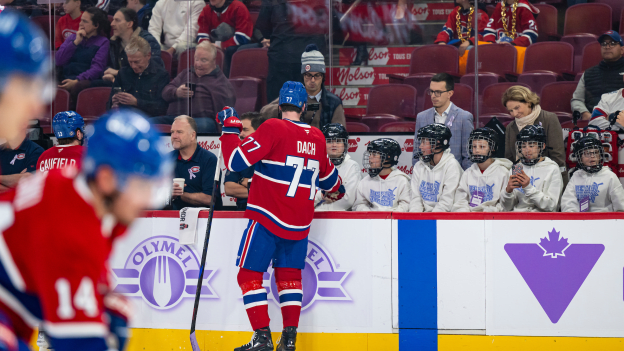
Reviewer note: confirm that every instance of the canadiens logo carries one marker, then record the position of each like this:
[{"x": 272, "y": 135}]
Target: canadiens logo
[
  {"x": 162, "y": 272},
  {"x": 192, "y": 171},
  {"x": 353, "y": 144},
  {"x": 322, "y": 280},
  {"x": 17, "y": 157},
  {"x": 307, "y": 68}
]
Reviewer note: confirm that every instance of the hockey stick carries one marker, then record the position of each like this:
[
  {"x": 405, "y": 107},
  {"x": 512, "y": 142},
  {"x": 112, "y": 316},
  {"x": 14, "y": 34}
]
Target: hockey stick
[{"x": 200, "y": 279}]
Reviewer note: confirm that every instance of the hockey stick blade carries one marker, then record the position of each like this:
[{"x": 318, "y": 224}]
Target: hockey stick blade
[{"x": 194, "y": 343}]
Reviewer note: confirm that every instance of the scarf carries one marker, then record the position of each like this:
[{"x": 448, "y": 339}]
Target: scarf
[{"x": 528, "y": 119}]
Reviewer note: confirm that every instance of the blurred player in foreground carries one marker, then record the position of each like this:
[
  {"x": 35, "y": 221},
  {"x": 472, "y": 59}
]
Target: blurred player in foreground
[
  {"x": 53, "y": 258},
  {"x": 291, "y": 161}
]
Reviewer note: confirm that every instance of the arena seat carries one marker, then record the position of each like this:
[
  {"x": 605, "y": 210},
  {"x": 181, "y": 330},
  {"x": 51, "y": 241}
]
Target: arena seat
[
  {"x": 252, "y": 63},
  {"x": 546, "y": 22},
  {"x": 556, "y": 97},
  {"x": 463, "y": 97},
  {"x": 617, "y": 6},
  {"x": 247, "y": 91},
  {"x": 398, "y": 127},
  {"x": 485, "y": 80},
  {"x": 374, "y": 122},
  {"x": 557, "y": 57},
  {"x": 429, "y": 60},
  {"x": 622, "y": 22},
  {"x": 578, "y": 42},
  {"x": 356, "y": 127},
  {"x": 492, "y": 98},
  {"x": 60, "y": 104},
  {"x": 591, "y": 56},
  {"x": 91, "y": 102},
  {"x": 394, "y": 99},
  {"x": 537, "y": 80},
  {"x": 591, "y": 18},
  {"x": 167, "y": 60},
  {"x": 493, "y": 58}
]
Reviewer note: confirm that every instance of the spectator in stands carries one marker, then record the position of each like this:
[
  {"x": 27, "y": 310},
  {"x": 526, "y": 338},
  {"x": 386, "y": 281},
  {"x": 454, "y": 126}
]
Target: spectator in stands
[
  {"x": 209, "y": 91},
  {"x": 458, "y": 28},
  {"x": 603, "y": 78},
  {"x": 193, "y": 163},
  {"x": 285, "y": 45},
  {"x": 143, "y": 10},
  {"x": 141, "y": 84},
  {"x": 386, "y": 188},
  {"x": 436, "y": 176},
  {"x": 460, "y": 122},
  {"x": 18, "y": 159},
  {"x": 523, "y": 105},
  {"x": 513, "y": 22},
  {"x": 481, "y": 185},
  {"x": 592, "y": 188},
  {"x": 337, "y": 139},
  {"x": 228, "y": 23},
  {"x": 537, "y": 185},
  {"x": 83, "y": 55},
  {"x": 237, "y": 184},
  {"x": 323, "y": 106},
  {"x": 610, "y": 103},
  {"x": 68, "y": 24},
  {"x": 173, "y": 20},
  {"x": 125, "y": 27}
]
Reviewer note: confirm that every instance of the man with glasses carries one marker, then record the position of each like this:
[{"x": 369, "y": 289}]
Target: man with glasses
[
  {"x": 603, "y": 78},
  {"x": 460, "y": 122},
  {"x": 323, "y": 107}
]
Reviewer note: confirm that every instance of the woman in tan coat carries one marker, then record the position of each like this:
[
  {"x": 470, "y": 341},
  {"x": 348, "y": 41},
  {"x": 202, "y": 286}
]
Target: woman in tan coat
[{"x": 523, "y": 105}]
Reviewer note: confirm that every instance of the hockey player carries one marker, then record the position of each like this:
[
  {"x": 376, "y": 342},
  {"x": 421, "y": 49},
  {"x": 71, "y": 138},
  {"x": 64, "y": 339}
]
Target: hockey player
[
  {"x": 25, "y": 83},
  {"x": 592, "y": 188},
  {"x": 481, "y": 185},
  {"x": 386, "y": 188},
  {"x": 68, "y": 128},
  {"x": 537, "y": 187},
  {"x": 459, "y": 30},
  {"x": 54, "y": 274},
  {"x": 436, "y": 175},
  {"x": 513, "y": 22},
  {"x": 337, "y": 139},
  {"x": 291, "y": 161}
]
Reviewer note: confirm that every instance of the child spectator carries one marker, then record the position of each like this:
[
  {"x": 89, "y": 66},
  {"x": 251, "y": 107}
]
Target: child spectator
[
  {"x": 481, "y": 185},
  {"x": 337, "y": 139},
  {"x": 535, "y": 187},
  {"x": 513, "y": 22},
  {"x": 68, "y": 24},
  {"x": 459, "y": 30},
  {"x": 593, "y": 188},
  {"x": 386, "y": 188},
  {"x": 436, "y": 175}
]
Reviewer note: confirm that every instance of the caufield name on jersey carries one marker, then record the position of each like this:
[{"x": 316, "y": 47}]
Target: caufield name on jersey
[
  {"x": 306, "y": 147},
  {"x": 52, "y": 163}
]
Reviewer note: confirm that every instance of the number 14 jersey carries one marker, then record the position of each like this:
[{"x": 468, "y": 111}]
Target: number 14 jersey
[{"x": 291, "y": 162}]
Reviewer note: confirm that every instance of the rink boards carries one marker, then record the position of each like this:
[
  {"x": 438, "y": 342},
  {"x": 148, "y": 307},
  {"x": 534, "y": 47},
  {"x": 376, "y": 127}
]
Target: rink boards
[{"x": 389, "y": 281}]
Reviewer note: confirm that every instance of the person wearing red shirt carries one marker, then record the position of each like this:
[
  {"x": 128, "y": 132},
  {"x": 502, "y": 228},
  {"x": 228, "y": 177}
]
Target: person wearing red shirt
[
  {"x": 68, "y": 128},
  {"x": 459, "y": 27},
  {"x": 513, "y": 22},
  {"x": 68, "y": 24}
]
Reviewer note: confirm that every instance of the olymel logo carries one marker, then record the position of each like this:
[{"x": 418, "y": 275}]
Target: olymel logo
[
  {"x": 321, "y": 279},
  {"x": 162, "y": 272},
  {"x": 554, "y": 269}
]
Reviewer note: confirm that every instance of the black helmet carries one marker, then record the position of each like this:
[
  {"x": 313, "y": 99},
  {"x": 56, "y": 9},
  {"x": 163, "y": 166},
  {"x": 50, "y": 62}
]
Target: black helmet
[
  {"x": 531, "y": 134},
  {"x": 337, "y": 132},
  {"x": 388, "y": 149},
  {"x": 590, "y": 147},
  {"x": 485, "y": 134},
  {"x": 439, "y": 137}
]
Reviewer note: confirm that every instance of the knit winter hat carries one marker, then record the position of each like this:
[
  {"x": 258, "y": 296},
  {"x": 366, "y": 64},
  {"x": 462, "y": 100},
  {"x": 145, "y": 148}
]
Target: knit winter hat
[{"x": 312, "y": 60}]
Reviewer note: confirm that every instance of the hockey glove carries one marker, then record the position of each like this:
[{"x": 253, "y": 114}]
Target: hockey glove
[
  {"x": 337, "y": 195},
  {"x": 228, "y": 118}
]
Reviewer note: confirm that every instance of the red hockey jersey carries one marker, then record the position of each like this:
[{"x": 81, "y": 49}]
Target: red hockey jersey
[
  {"x": 526, "y": 28},
  {"x": 53, "y": 254},
  {"x": 236, "y": 15},
  {"x": 290, "y": 161},
  {"x": 449, "y": 31},
  {"x": 65, "y": 27},
  {"x": 60, "y": 156}
]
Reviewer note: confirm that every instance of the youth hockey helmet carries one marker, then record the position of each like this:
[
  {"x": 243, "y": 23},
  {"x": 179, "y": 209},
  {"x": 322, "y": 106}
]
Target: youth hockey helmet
[
  {"x": 64, "y": 124},
  {"x": 590, "y": 148},
  {"x": 336, "y": 132},
  {"x": 388, "y": 150},
  {"x": 126, "y": 142},
  {"x": 484, "y": 134},
  {"x": 434, "y": 139},
  {"x": 293, "y": 93},
  {"x": 531, "y": 136}
]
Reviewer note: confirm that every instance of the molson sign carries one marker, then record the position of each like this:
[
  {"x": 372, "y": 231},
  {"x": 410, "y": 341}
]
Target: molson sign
[
  {"x": 352, "y": 96},
  {"x": 362, "y": 75},
  {"x": 380, "y": 56}
]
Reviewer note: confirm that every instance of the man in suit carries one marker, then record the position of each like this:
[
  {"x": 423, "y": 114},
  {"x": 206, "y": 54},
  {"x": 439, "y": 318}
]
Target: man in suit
[{"x": 460, "y": 122}]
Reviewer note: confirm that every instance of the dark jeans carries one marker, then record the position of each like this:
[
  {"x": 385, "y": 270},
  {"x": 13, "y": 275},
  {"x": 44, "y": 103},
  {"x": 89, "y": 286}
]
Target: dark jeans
[
  {"x": 204, "y": 124},
  {"x": 280, "y": 73}
]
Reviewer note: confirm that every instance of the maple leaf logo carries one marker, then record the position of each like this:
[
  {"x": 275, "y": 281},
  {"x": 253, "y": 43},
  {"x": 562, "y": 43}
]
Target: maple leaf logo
[{"x": 554, "y": 245}]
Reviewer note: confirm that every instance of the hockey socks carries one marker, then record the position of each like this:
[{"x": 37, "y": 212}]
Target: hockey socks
[
  {"x": 254, "y": 298},
  {"x": 290, "y": 291}
]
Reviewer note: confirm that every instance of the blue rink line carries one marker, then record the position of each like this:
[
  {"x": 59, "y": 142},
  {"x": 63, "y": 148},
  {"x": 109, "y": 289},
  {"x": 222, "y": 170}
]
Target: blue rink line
[{"x": 418, "y": 285}]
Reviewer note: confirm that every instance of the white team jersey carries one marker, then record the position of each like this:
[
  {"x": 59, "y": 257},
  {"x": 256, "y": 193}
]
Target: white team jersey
[
  {"x": 543, "y": 192},
  {"x": 480, "y": 192},
  {"x": 609, "y": 103},
  {"x": 602, "y": 192},
  {"x": 350, "y": 172},
  {"x": 377, "y": 194},
  {"x": 433, "y": 189}
]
